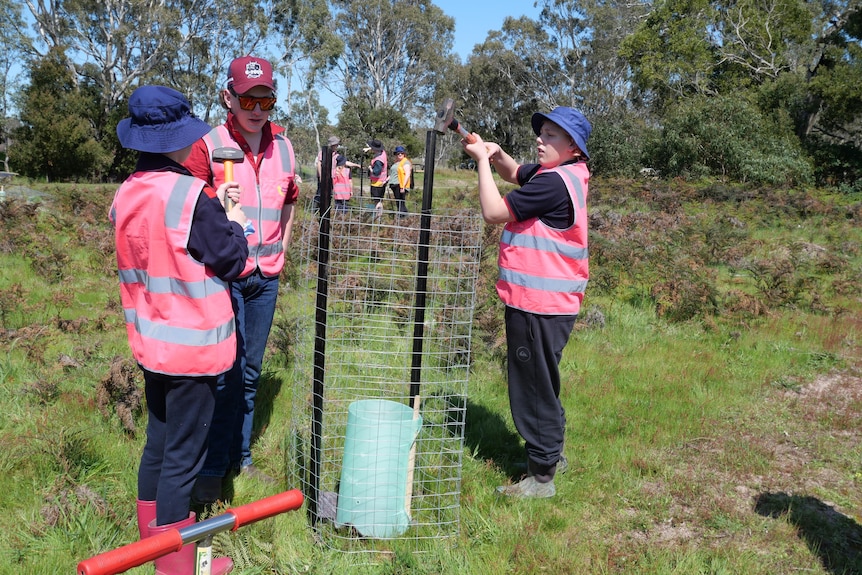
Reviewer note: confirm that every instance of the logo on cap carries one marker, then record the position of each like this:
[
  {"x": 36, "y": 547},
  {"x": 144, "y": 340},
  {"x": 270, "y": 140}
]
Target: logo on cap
[{"x": 253, "y": 70}]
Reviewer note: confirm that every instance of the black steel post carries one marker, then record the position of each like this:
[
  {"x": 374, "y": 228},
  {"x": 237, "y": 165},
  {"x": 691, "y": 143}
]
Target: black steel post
[
  {"x": 422, "y": 265},
  {"x": 320, "y": 333}
]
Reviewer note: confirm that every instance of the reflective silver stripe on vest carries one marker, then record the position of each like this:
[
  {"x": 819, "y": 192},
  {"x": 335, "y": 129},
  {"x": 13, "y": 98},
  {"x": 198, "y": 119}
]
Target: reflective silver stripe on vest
[
  {"x": 179, "y": 335},
  {"x": 264, "y": 250},
  {"x": 167, "y": 285},
  {"x": 176, "y": 202},
  {"x": 284, "y": 149},
  {"x": 575, "y": 184},
  {"x": 215, "y": 135},
  {"x": 544, "y": 244},
  {"x": 542, "y": 283},
  {"x": 270, "y": 214}
]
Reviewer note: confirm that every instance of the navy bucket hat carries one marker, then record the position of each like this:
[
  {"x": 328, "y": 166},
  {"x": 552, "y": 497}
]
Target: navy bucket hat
[
  {"x": 375, "y": 145},
  {"x": 569, "y": 119},
  {"x": 160, "y": 121}
]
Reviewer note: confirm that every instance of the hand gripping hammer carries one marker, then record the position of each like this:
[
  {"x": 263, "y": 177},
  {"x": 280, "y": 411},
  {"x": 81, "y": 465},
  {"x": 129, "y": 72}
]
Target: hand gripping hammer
[{"x": 228, "y": 156}]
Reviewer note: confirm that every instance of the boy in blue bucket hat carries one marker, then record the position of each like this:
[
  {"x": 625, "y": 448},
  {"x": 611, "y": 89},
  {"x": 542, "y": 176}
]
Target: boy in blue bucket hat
[
  {"x": 177, "y": 250},
  {"x": 543, "y": 273}
]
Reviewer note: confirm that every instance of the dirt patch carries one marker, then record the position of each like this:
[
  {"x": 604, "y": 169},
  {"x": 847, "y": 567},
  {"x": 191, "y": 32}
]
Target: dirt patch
[{"x": 787, "y": 466}]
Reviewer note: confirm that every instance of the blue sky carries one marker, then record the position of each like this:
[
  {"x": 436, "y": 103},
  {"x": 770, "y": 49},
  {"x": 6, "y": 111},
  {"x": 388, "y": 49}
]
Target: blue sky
[{"x": 475, "y": 18}]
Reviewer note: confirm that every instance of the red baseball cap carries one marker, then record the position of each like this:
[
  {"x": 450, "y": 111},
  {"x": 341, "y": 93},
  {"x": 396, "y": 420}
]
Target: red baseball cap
[{"x": 247, "y": 72}]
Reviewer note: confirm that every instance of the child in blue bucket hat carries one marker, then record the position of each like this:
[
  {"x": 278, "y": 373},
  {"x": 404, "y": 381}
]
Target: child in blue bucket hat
[
  {"x": 177, "y": 250},
  {"x": 543, "y": 273}
]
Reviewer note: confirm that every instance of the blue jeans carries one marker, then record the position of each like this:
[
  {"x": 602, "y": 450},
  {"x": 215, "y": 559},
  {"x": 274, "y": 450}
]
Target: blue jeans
[{"x": 254, "y": 299}]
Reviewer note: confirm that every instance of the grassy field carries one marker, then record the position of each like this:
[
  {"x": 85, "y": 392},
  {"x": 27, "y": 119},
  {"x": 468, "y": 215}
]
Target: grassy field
[{"x": 712, "y": 387}]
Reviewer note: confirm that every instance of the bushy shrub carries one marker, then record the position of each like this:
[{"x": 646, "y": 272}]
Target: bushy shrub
[
  {"x": 616, "y": 145},
  {"x": 838, "y": 165},
  {"x": 730, "y": 138}
]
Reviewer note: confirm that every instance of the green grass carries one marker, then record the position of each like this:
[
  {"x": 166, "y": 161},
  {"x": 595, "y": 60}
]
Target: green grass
[{"x": 727, "y": 443}]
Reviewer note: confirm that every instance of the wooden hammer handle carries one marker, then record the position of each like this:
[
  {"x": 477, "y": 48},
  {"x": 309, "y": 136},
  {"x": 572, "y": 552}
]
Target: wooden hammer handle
[{"x": 228, "y": 177}]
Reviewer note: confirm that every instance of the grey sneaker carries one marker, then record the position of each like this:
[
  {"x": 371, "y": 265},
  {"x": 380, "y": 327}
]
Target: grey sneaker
[
  {"x": 251, "y": 471},
  {"x": 528, "y": 487}
]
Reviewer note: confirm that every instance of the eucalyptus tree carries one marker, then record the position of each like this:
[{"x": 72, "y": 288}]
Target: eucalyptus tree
[
  {"x": 119, "y": 44},
  {"x": 309, "y": 47},
  {"x": 394, "y": 52},
  {"x": 566, "y": 57},
  {"x": 14, "y": 42},
  {"x": 495, "y": 88},
  {"x": 217, "y": 33},
  {"x": 113, "y": 46}
]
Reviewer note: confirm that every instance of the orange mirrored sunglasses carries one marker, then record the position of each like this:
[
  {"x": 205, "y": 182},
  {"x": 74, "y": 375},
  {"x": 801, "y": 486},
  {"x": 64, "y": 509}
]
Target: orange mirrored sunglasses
[{"x": 249, "y": 102}]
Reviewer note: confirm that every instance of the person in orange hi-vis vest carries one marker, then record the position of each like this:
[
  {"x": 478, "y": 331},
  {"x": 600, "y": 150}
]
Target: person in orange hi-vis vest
[
  {"x": 177, "y": 251},
  {"x": 543, "y": 273}
]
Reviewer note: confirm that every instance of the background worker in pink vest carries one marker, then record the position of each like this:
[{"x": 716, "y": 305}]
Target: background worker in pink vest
[
  {"x": 342, "y": 186},
  {"x": 544, "y": 270},
  {"x": 176, "y": 251},
  {"x": 268, "y": 192},
  {"x": 332, "y": 143}
]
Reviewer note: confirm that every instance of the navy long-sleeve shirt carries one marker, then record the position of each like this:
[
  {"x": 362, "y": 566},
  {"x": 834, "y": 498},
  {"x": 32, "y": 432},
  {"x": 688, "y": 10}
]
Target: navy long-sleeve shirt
[{"x": 214, "y": 240}]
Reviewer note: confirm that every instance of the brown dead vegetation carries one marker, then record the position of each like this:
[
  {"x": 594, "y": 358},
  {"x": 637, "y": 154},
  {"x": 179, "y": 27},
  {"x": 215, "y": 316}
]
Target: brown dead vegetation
[{"x": 121, "y": 389}]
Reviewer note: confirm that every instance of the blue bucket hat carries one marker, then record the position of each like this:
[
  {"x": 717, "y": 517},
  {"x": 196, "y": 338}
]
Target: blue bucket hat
[
  {"x": 161, "y": 121},
  {"x": 569, "y": 119},
  {"x": 400, "y": 150}
]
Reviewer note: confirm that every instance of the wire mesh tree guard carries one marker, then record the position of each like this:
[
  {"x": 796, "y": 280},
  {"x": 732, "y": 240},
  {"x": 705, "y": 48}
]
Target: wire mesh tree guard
[{"x": 377, "y": 444}]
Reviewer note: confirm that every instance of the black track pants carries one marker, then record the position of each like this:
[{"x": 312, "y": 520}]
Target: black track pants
[{"x": 535, "y": 347}]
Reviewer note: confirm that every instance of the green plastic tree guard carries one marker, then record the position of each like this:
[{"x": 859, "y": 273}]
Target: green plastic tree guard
[{"x": 371, "y": 494}]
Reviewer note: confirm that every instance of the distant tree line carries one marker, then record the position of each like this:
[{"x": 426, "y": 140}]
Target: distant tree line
[{"x": 759, "y": 91}]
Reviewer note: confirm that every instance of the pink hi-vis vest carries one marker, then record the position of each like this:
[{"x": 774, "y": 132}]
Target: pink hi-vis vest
[
  {"x": 342, "y": 187},
  {"x": 178, "y": 314},
  {"x": 380, "y": 180},
  {"x": 545, "y": 270},
  {"x": 262, "y": 198}
]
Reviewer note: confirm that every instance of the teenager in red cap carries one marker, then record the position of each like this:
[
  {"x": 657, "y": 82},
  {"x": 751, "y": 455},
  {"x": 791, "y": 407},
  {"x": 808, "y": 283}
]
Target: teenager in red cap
[
  {"x": 176, "y": 253},
  {"x": 544, "y": 270},
  {"x": 268, "y": 191}
]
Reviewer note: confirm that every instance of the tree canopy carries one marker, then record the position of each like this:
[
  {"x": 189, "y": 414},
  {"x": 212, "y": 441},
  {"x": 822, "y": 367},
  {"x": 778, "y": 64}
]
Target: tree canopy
[{"x": 664, "y": 83}]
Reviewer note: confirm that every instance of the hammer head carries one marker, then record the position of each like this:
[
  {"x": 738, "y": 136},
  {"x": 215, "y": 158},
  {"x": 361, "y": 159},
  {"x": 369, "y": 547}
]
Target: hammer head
[
  {"x": 445, "y": 115},
  {"x": 223, "y": 155}
]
